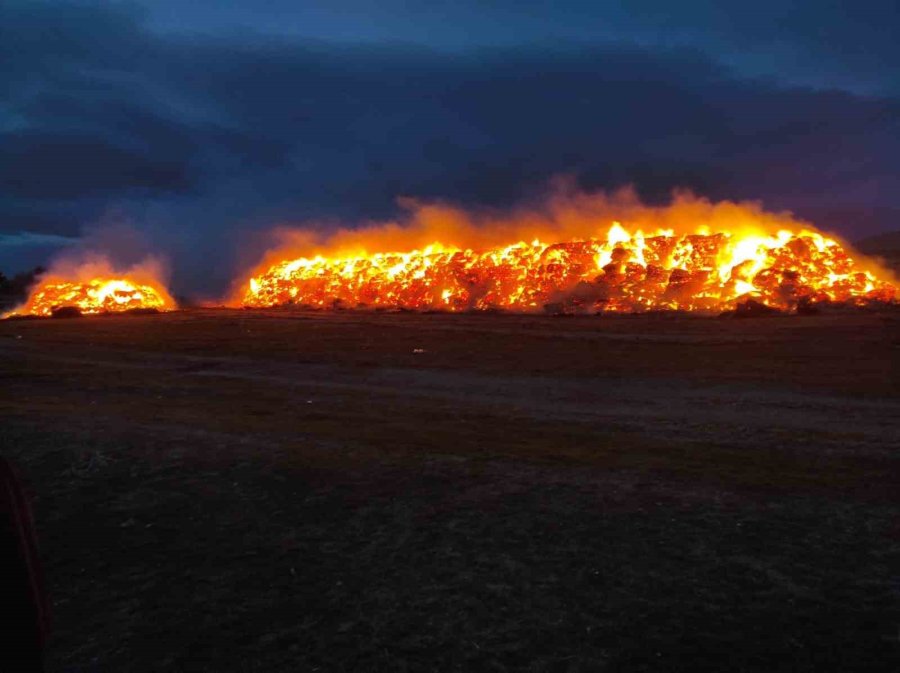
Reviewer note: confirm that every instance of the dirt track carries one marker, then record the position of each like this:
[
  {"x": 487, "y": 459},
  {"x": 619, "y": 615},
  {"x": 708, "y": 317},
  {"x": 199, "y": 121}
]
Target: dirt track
[{"x": 225, "y": 490}]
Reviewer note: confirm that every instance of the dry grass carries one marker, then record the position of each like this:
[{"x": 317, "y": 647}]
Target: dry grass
[{"x": 269, "y": 491}]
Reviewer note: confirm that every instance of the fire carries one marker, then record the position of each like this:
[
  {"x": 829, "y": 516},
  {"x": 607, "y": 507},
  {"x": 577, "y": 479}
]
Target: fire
[
  {"x": 624, "y": 269},
  {"x": 91, "y": 294}
]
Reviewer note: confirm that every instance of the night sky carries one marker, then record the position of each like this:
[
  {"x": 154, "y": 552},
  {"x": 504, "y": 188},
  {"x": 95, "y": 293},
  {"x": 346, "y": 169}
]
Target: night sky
[{"x": 187, "y": 126}]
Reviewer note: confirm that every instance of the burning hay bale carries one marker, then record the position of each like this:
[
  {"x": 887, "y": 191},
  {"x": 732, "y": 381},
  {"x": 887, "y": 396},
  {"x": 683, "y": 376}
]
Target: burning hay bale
[
  {"x": 626, "y": 272},
  {"x": 65, "y": 297}
]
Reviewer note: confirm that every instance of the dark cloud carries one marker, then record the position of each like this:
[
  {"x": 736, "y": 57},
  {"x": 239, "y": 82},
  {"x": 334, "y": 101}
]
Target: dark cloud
[
  {"x": 197, "y": 140},
  {"x": 67, "y": 166},
  {"x": 825, "y": 43}
]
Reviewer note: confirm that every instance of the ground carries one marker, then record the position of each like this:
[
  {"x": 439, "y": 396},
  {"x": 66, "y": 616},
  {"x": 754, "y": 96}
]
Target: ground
[{"x": 290, "y": 491}]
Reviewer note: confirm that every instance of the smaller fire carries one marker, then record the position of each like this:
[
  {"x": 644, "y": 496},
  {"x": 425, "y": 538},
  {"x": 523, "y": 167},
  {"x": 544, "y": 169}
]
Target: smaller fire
[{"x": 94, "y": 288}]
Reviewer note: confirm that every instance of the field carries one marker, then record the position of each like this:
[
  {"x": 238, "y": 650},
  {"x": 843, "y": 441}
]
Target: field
[{"x": 300, "y": 491}]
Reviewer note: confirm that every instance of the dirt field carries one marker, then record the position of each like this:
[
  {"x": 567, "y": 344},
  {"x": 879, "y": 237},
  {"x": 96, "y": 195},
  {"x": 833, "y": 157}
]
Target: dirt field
[{"x": 288, "y": 491}]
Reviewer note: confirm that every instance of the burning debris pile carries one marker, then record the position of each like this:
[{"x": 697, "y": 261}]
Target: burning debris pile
[
  {"x": 691, "y": 255},
  {"x": 621, "y": 272},
  {"x": 94, "y": 288},
  {"x": 98, "y": 295}
]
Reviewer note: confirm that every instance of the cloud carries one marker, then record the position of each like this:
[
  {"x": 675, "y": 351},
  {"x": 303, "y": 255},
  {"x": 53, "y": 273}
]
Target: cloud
[
  {"x": 24, "y": 251},
  {"x": 823, "y": 44},
  {"x": 68, "y": 165},
  {"x": 201, "y": 141},
  {"x": 28, "y": 239}
]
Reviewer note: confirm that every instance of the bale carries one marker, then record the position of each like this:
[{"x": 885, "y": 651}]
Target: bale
[
  {"x": 141, "y": 311},
  {"x": 754, "y": 309},
  {"x": 66, "y": 312}
]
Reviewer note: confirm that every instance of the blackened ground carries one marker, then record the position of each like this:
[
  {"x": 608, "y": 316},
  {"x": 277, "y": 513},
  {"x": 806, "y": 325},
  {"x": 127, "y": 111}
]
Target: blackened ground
[{"x": 288, "y": 491}]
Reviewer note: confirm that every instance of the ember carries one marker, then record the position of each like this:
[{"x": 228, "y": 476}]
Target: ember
[
  {"x": 94, "y": 288},
  {"x": 623, "y": 271},
  {"x": 98, "y": 295}
]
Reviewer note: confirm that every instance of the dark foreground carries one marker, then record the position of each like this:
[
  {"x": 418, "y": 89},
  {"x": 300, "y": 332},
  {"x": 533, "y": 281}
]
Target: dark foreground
[{"x": 277, "y": 491}]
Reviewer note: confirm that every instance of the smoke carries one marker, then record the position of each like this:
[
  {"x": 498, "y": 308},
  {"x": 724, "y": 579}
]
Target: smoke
[
  {"x": 115, "y": 247},
  {"x": 89, "y": 265},
  {"x": 111, "y": 248},
  {"x": 565, "y": 213}
]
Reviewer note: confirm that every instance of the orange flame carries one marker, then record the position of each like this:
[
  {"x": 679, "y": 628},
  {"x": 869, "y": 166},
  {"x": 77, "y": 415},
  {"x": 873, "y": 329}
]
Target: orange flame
[
  {"x": 94, "y": 288},
  {"x": 729, "y": 253}
]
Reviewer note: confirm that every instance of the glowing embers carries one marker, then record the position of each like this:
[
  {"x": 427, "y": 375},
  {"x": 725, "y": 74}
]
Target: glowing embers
[
  {"x": 95, "y": 295},
  {"x": 621, "y": 272}
]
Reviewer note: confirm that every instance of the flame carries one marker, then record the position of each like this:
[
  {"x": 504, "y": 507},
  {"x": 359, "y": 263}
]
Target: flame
[
  {"x": 93, "y": 288},
  {"x": 736, "y": 252}
]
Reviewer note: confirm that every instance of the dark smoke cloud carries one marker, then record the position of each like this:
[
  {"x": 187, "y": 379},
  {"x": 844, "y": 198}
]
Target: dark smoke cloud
[{"x": 200, "y": 142}]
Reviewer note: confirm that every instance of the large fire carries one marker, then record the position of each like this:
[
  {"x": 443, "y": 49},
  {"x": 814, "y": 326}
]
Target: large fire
[
  {"x": 623, "y": 270},
  {"x": 94, "y": 288}
]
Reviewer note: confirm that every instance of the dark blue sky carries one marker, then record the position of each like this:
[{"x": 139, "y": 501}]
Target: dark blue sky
[{"x": 201, "y": 122}]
